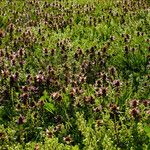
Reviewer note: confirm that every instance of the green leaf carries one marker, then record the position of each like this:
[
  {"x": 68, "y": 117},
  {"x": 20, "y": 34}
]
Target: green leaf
[
  {"x": 49, "y": 107},
  {"x": 147, "y": 130},
  {"x": 45, "y": 96}
]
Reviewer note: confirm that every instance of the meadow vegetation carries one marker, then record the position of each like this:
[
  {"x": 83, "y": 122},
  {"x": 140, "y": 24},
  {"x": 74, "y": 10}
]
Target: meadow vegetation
[{"x": 74, "y": 75}]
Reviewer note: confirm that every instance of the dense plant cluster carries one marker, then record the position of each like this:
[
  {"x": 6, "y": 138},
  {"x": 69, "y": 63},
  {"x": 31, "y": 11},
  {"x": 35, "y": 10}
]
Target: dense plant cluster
[{"x": 74, "y": 75}]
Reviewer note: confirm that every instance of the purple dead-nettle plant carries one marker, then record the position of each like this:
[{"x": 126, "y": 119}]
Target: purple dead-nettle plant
[
  {"x": 134, "y": 103},
  {"x": 116, "y": 83},
  {"x": 103, "y": 91},
  {"x": 56, "y": 96},
  {"x": 21, "y": 120},
  {"x": 98, "y": 108},
  {"x": 68, "y": 139},
  {"x": 135, "y": 113},
  {"x": 146, "y": 102},
  {"x": 49, "y": 134}
]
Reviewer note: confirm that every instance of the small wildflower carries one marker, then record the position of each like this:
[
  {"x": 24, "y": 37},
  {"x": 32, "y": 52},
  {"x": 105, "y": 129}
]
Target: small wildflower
[
  {"x": 89, "y": 100},
  {"x": 2, "y": 135},
  {"x": 99, "y": 122},
  {"x": 97, "y": 109},
  {"x": 57, "y": 128},
  {"x": 148, "y": 112},
  {"x": 103, "y": 91},
  {"x": 36, "y": 147},
  {"x": 1, "y": 33},
  {"x": 56, "y": 96},
  {"x": 49, "y": 133},
  {"x": 112, "y": 38},
  {"x": 114, "y": 111},
  {"x": 134, "y": 113},
  {"x": 116, "y": 83},
  {"x": 134, "y": 103},
  {"x": 114, "y": 108},
  {"x": 68, "y": 139},
  {"x": 21, "y": 120},
  {"x": 41, "y": 103},
  {"x": 146, "y": 103}
]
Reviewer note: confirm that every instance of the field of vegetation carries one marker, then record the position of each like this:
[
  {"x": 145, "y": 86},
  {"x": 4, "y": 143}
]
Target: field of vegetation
[{"x": 74, "y": 75}]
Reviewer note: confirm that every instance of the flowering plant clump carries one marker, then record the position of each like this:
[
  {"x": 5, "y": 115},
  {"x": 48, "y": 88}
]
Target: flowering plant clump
[{"x": 74, "y": 75}]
